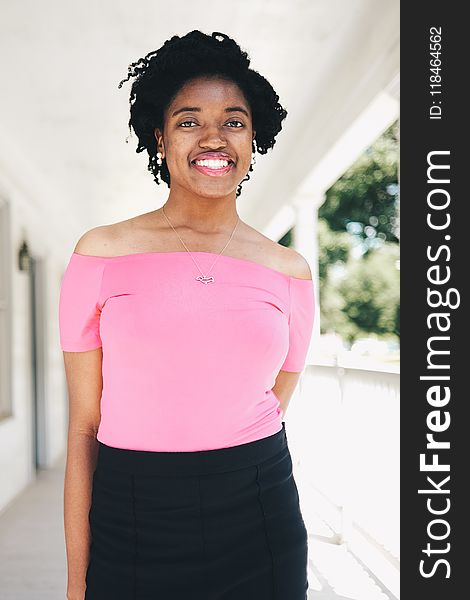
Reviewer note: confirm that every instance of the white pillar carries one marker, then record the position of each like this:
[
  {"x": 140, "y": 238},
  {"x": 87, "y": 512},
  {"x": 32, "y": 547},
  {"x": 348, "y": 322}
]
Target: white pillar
[{"x": 305, "y": 241}]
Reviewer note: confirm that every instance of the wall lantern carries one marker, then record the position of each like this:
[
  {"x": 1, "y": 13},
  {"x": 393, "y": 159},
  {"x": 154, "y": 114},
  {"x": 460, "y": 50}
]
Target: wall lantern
[{"x": 24, "y": 258}]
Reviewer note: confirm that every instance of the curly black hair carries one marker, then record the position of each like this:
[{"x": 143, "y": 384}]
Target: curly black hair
[{"x": 162, "y": 73}]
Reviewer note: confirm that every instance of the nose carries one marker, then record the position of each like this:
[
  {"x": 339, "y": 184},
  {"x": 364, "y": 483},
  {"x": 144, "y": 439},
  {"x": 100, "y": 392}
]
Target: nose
[{"x": 212, "y": 137}]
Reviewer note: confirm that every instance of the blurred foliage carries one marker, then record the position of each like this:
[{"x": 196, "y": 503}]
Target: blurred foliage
[
  {"x": 358, "y": 250},
  {"x": 333, "y": 248},
  {"x": 370, "y": 294},
  {"x": 364, "y": 200}
]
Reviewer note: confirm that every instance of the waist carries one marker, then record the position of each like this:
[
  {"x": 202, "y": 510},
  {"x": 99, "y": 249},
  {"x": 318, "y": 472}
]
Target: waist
[{"x": 199, "y": 462}]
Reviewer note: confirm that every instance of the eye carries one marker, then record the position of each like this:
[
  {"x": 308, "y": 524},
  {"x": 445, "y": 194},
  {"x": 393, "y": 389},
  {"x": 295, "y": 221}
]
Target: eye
[
  {"x": 185, "y": 123},
  {"x": 236, "y": 121}
]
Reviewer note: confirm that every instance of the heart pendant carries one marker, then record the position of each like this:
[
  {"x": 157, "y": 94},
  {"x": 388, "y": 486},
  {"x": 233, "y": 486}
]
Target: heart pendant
[{"x": 205, "y": 279}]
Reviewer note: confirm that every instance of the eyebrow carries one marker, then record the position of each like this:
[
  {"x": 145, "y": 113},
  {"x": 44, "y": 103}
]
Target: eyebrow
[{"x": 197, "y": 109}]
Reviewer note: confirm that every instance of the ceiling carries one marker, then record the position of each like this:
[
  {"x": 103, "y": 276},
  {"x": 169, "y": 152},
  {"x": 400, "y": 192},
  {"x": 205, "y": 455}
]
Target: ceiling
[{"x": 63, "y": 121}]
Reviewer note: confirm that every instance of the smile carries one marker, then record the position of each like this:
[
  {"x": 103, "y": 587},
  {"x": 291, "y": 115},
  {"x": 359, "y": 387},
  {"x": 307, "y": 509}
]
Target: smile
[{"x": 212, "y": 167}]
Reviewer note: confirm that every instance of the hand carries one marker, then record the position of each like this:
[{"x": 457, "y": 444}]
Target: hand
[{"x": 76, "y": 593}]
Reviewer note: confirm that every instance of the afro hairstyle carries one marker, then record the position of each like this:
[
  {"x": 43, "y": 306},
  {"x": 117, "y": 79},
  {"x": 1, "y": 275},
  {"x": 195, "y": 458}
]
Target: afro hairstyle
[{"x": 163, "y": 72}]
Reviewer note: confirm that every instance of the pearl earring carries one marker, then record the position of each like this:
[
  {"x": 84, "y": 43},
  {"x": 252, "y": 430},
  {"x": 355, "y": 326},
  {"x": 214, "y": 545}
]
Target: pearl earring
[{"x": 159, "y": 159}]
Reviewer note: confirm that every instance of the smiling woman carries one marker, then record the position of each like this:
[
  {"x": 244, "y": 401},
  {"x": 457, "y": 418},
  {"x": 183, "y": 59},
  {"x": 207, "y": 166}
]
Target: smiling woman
[
  {"x": 178, "y": 468},
  {"x": 206, "y": 137},
  {"x": 241, "y": 100}
]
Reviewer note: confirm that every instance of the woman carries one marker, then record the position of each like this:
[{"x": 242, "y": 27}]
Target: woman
[{"x": 184, "y": 333}]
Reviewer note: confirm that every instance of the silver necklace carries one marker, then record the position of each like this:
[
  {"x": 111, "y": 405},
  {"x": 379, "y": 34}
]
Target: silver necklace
[{"x": 202, "y": 278}]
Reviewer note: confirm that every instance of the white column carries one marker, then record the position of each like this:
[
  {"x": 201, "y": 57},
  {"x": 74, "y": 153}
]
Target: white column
[{"x": 305, "y": 241}]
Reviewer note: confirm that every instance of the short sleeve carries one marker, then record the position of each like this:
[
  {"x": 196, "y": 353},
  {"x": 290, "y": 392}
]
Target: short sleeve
[
  {"x": 301, "y": 318},
  {"x": 79, "y": 304}
]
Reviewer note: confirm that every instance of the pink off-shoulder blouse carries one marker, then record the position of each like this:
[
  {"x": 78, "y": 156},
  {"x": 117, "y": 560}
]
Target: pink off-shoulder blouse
[{"x": 186, "y": 365}]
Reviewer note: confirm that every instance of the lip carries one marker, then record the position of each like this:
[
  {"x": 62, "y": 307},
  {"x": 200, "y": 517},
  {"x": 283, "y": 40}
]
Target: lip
[
  {"x": 209, "y": 155},
  {"x": 208, "y": 170},
  {"x": 213, "y": 172}
]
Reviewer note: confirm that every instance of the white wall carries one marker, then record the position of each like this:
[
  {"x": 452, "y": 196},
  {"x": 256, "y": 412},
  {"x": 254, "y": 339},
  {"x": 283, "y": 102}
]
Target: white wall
[{"x": 34, "y": 209}]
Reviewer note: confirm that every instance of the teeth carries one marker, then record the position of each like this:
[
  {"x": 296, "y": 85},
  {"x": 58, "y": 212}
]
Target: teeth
[{"x": 213, "y": 163}]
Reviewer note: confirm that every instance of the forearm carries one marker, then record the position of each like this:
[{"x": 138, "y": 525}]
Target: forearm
[
  {"x": 82, "y": 451},
  {"x": 284, "y": 388}
]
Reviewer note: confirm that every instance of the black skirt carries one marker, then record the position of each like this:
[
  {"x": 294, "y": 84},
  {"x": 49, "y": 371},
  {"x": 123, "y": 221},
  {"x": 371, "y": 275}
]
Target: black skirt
[{"x": 220, "y": 524}]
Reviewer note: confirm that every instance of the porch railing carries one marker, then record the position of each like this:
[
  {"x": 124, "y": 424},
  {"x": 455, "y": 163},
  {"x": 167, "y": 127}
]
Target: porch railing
[{"x": 344, "y": 435}]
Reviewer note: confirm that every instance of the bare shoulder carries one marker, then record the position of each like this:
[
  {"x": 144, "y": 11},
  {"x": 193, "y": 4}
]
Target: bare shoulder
[
  {"x": 296, "y": 265},
  {"x": 98, "y": 241},
  {"x": 275, "y": 255},
  {"x": 123, "y": 237}
]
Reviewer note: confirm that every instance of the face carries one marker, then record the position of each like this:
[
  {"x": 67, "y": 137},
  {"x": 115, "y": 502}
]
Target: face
[{"x": 207, "y": 137}]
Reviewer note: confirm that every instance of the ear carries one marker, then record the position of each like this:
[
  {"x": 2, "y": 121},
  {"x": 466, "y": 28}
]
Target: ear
[{"x": 159, "y": 137}]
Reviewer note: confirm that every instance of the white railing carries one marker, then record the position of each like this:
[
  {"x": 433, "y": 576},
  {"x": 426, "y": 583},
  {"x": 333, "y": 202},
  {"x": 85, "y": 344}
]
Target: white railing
[{"x": 344, "y": 435}]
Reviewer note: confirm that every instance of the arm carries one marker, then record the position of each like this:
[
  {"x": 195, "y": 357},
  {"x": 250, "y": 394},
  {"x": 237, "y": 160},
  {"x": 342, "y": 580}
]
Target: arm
[
  {"x": 286, "y": 381},
  {"x": 84, "y": 382},
  {"x": 285, "y": 385},
  {"x": 83, "y": 370}
]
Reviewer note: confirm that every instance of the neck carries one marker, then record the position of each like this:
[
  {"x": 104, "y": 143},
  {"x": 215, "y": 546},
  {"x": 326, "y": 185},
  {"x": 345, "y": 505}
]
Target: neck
[{"x": 201, "y": 214}]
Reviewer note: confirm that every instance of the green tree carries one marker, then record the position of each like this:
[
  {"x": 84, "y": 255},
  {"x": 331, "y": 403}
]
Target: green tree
[
  {"x": 333, "y": 248},
  {"x": 358, "y": 250},
  {"x": 370, "y": 293},
  {"x": 364, "y": 201},
  {"x": 333, "y": 254}
]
